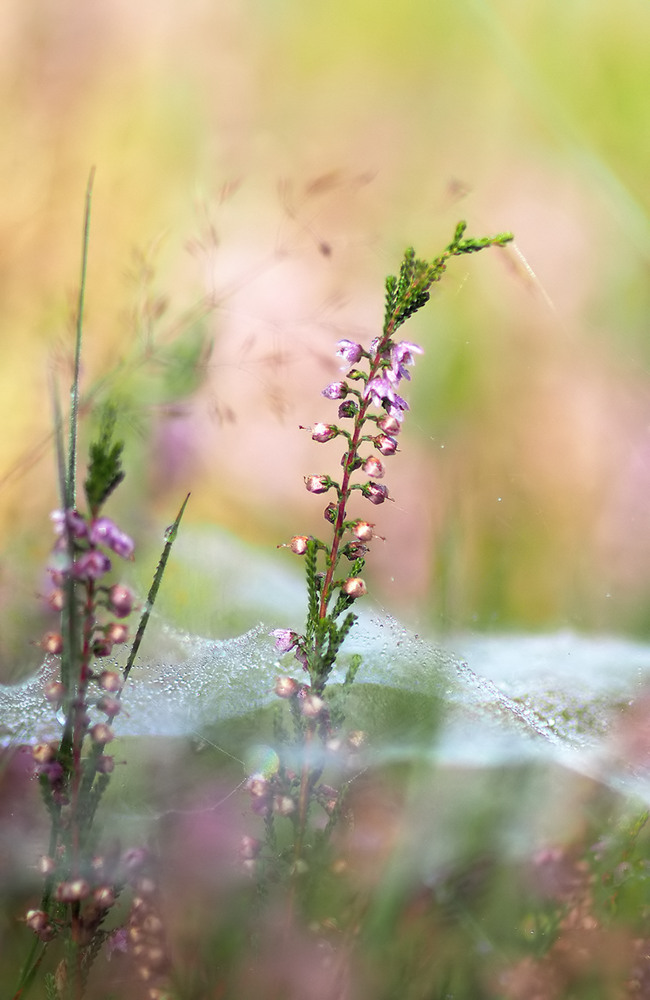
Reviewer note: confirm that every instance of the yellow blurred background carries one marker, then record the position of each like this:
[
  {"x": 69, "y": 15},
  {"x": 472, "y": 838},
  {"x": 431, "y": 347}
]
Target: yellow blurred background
[{"x": 260, "y": 168}]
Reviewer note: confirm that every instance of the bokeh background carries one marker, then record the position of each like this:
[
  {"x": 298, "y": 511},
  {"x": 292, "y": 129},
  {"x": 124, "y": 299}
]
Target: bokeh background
[{"x": 260, "y": 168}]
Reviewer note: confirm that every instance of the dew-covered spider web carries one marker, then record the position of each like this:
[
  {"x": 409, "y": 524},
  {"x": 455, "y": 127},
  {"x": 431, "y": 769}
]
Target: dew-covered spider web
[{"x": 506, "y": 699}]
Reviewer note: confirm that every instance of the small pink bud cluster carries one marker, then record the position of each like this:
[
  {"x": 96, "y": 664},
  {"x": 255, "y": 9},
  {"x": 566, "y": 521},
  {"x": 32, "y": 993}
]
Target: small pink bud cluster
[
  {"x": 87, "y": 538},
  {"x": 388, "y": 364},
  {"x": 92, "y": 893}
]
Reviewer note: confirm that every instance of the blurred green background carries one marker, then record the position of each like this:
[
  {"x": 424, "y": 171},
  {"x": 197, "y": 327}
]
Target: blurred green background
[{"x": 261, "y": 167}]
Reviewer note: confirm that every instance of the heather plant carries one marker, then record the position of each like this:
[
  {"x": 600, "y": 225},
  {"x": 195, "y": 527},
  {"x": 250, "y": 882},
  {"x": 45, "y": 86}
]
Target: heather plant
[
  {"x": 82, "y": 879},
  {"x": 370, "y": 414}
]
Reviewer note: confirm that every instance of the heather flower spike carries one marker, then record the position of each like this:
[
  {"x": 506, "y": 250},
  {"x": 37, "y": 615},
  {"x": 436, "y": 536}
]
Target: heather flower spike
[
  {"x": 381, "y": 368},
  {"x": 371, "y": 399}
]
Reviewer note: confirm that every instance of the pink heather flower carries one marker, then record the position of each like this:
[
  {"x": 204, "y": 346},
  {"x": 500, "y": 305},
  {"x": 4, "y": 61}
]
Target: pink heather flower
[
  {"x": 285, "y": 639},
  {"x": 349, "y": 351},
  {"x": 373, "y": 467},
  {"x": 375, "y": 492},
  {"x": 103, "y": 531},
  {"x": 354, "y": 587},
  {"x": 335, "y": 390},
  {"x": 401, "y": 355},
  {"x": 318, "y": 484},
  {"x": 386, "y": 444},
  {"x": 298, "y": 544},
  {"x": 382, "y": 393},
  {"x": 324, "y": 432},
  {"x": 91, "y": 565}
]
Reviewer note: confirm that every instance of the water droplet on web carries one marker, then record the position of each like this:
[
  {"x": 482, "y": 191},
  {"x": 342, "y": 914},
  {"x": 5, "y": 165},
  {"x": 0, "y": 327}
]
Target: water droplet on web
[{"x": 262, "y": 760}]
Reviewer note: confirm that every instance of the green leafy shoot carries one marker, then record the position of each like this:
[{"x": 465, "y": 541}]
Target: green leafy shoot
[
  {"x": 105, "y": 468},
  {"x": 409, "y": 291}
]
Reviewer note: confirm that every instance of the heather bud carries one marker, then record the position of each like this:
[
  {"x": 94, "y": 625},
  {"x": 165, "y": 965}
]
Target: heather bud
[
  {"x": 298, "y": 544},
  {"x": 375, "y": 492},
  {"x": 120, "y": 600},
  {"x": 111, "y": 707},
  {"x": 116, "y": 633},
  {"x": 104, "y": 896},
  {"x": 102, "y": 647},
  {"x": 102, "y": 733},
  {"x": 386, "y": 444},
  {"x": 56, "y": 599},
  {"x": 103, "y": 531},
  {"x": 69, "y": 521},
  {"x": 336, "y": 390},
  {"x": 249, "y": 847},
  {"x": 285, "y": 639},
  {"x": 373, "y": 467},
  {"x": 46, "y": 865},
  {"x": 110, "y": 680},
  {"x": 312, "y": 706},
  {"x": 348, "y": 409},
  {"x": 354, "y": 550},
  {"x": 349, "y": 351},
  {"x": 71, "y": 892},
  {"x": 54, "y": 692},
  {"x": 105, "y": 764},
  {"x": 39, "y": 922},
  {"x": 283, "y": 805},
  {"x": 286, "y": 687},
  {"x": 43, "y": 753},
  {"x": 389, "y": 424},
  {"x": 318, "y": 484},
  {"x": 91, "y": 565},
  {"x": 36, "y": 920},
  {"x": 324, "y": 432},
  {"x": 330, "y": 512},
  {"x": 354, "y": 587},
  {"x": 363, "y": 531}
]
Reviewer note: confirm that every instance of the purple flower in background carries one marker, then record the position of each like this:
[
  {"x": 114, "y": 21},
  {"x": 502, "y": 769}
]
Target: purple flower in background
[
  {"x": 91, "y": 565},
  {"x": 103, "y": 531},
  {"x": 70, "y": 520}
]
